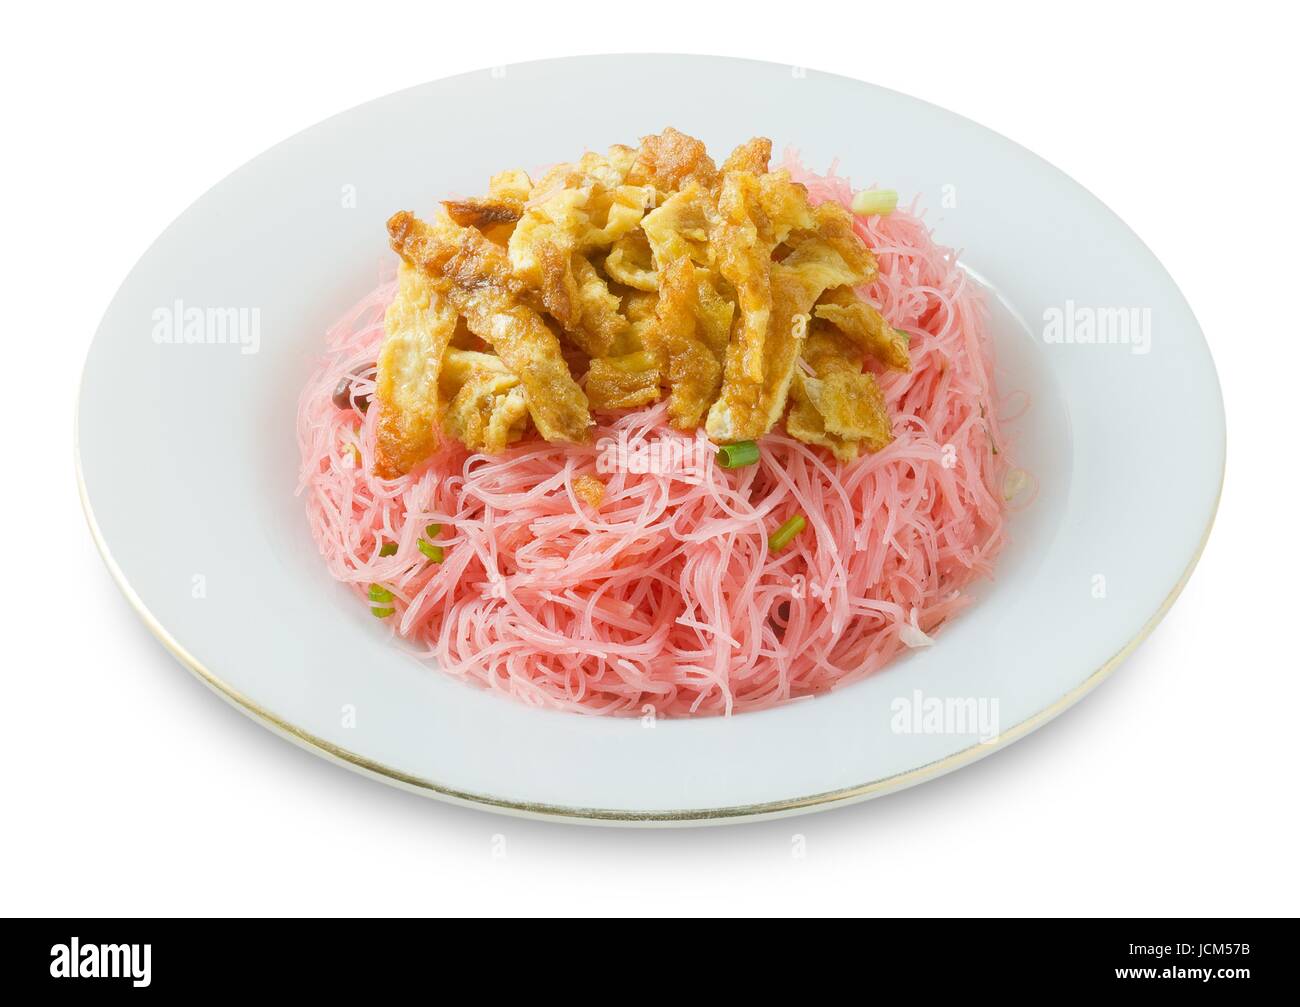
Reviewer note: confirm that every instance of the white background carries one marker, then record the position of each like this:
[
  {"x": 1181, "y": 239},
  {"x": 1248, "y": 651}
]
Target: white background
[{"x": 128, "y": 788}]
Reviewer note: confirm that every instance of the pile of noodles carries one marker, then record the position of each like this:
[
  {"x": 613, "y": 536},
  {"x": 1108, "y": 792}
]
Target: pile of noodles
[{"x": 667, "y": 599}]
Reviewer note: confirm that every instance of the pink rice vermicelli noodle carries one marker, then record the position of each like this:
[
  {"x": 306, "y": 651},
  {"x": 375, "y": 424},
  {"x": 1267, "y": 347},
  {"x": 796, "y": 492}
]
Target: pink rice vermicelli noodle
[{"x": 667, "y": 598}]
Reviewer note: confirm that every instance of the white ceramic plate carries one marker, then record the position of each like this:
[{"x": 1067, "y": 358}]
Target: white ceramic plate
[{"x": 188, "y": 458}]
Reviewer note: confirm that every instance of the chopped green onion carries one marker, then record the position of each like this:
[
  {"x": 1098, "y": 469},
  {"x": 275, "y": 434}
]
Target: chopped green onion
[
  {"x": 738, "y": 455},
  {"x": 870, "y": 202},
  {"x": 432, "y": 529},
  {"x": 780, "y": 538},
  {"x": 434, "y": 552},
  {"x": 382, "y": 595},
  {"x": 388, "y": 549}
]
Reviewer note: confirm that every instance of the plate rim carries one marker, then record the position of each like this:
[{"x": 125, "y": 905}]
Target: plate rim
[{"x": 724, "y": 814}]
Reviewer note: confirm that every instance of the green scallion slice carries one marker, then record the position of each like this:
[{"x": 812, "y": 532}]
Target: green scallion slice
[
  {"x": 388, "y": 549},
  {"x": 870, "y": 202},
  {"x": 434, "y": 552},
  {"x": 382, "y": 613},
  {"x": 780, "y": 538},
  {"x": 738, "y": 455},
  {"x": 432, "y": 529},
  {"x": 380, "y": 593}
]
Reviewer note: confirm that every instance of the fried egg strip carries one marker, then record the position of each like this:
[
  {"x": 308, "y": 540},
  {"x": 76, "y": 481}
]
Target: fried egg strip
[
  {"x": 600, "y": 323},
  {"x": 624, "y": 382},
  {"x": 482, "y": 213},
  {"x": 579, "y": 209},
  {"x": 865, "y": 325},
  {"x": 488, "y": 410},
  {"x": 680, "y": 226},
  {"x": 745, "y": 260},
  {"x": 838, "y": 405},
  {"x": 670, "y": 160},
  {"x": 692, "y": 368},
  {"x": 755, "y": 214},
  {"x": 419, "y": 324},
  {"x": 496, "y": 213},
  {"x": 476, "y": 277},
  {"x": 827, "y": 255},
  {"x": 630, "y": 262},
  {"x": 753, "y": 156}
]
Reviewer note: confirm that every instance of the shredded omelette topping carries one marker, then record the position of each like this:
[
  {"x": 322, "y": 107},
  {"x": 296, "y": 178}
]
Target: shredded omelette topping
[{"x": 624, "y": 279}]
